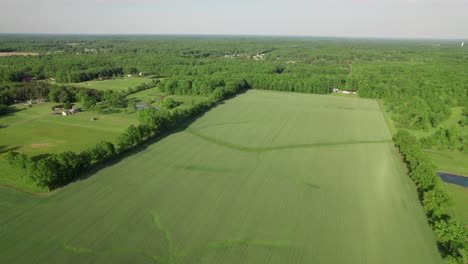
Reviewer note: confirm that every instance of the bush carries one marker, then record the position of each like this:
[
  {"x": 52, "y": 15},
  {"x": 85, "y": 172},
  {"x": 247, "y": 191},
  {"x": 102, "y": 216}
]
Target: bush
[
  {"x": 169, "y": 103},
  {"x": 16, "y": 159}
]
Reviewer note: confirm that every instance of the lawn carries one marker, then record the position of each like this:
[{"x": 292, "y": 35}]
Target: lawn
[
  {"x": 121, "y": 84},
  {"x": 266, "y": 177}
]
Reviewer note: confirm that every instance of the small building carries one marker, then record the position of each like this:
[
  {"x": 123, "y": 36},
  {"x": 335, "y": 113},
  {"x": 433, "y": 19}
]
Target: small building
[
  {"x": 75, "y": 110},
  {"x": 142, "y": 106},
  {"x": 146, "y": 106},
  {"x": 71, "y": 111},
  {"x": 348, "y": 91}
]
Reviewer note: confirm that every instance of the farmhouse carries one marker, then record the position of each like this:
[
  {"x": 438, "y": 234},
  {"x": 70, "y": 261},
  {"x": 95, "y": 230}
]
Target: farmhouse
[
  {"x": 71, "y": 111},
  {"x": 348, "y": 91},
  {"x": 37, "y": 101}
]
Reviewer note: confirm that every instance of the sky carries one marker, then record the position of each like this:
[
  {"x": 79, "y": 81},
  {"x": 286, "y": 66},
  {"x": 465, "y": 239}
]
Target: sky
[{"x": 345, "y": 18}]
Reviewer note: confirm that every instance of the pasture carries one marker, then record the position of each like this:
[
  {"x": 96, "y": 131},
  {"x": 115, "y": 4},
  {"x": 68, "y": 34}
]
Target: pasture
[
  {"x": 266, "y": 177},
  {"x": 120, "y": 84}
]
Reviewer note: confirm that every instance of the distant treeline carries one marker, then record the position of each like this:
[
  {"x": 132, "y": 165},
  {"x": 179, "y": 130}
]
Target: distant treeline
[
  {"x": 419, "y": 81},
  {"x": 451, "y": 237}
]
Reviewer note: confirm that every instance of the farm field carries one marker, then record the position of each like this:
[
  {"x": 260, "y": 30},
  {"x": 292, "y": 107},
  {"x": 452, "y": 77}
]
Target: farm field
[
  {"x": 266, "y": 177},
  {"x": 121, "y": 84}
]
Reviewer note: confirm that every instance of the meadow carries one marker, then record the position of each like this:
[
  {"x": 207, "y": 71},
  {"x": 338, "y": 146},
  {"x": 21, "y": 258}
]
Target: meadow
[
  {"x": 266, "y": 177},
  {"x": 120, "y": 84}
]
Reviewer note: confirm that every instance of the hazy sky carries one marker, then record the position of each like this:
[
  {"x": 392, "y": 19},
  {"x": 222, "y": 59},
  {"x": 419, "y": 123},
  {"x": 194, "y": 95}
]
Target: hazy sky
[{"x": 356, "y": 18}]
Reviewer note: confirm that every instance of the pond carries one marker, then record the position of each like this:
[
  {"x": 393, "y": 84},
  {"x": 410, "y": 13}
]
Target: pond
[{"x": 453, "y": 178}]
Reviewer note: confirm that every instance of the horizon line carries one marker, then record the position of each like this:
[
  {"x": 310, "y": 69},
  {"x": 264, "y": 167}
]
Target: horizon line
[{"x": 237, "y": 35}]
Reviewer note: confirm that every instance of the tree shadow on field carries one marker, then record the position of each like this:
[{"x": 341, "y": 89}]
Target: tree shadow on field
[
  {"x": 40, "y": 156},
  {"x": 5, "y": 149},
  {"x": 143, "y": 146},
  {"x": 10, "y": 111}
]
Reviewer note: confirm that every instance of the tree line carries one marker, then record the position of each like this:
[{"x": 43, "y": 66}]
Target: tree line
[{"x": 451, "y": 237}]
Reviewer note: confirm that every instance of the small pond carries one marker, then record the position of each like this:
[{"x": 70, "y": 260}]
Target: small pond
[{"x": 453, "y": 178}]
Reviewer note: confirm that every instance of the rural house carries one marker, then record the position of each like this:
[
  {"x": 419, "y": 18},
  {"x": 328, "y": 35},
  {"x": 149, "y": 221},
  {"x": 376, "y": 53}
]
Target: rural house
[{"x": 71, "y": 111}]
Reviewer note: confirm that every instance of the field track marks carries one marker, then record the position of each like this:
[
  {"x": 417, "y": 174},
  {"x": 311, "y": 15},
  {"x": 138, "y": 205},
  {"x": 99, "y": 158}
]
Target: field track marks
[
  {"x": 266, "y": 149},
  {"x": 224, "y": 124},
  {"x": 89, "y": 252}
]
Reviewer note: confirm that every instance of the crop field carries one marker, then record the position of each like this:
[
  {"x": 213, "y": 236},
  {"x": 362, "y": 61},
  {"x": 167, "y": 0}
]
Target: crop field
[
  {"x": 265, "y": 177},
  {"x": 120, "y": 84}
]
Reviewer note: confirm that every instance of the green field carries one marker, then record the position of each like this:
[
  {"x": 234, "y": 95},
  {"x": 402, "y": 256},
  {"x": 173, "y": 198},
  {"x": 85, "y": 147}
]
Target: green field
[
  {"x": 266, "y": 177},
  {"x": 120, "y": 84}
]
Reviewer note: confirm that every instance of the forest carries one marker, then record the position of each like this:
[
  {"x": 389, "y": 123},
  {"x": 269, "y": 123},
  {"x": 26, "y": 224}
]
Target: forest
[{"x": 419, "y": 81}]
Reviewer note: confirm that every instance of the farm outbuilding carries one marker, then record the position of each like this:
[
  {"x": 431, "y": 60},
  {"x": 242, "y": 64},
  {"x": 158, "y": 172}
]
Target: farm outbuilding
[{"x": 71, "y": 111}]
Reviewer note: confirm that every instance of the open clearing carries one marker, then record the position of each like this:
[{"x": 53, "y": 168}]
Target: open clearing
[
  {"x": 266, "y": 177},
  {"x": 121, "y": 84}
]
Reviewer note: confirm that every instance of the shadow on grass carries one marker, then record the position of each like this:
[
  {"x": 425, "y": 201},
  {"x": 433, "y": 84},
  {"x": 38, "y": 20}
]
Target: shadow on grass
[
  {"x": 40, "y": 156},
  {"x": 5, "y": 149},
  {"x": 139, "y": 148},
  {"x": 10, "y": 111}
]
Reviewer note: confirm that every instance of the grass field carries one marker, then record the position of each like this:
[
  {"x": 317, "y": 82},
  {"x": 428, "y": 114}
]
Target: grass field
[
  {"x": 154, "y": 96},
  {"x": 120, "y": 84},
  {"x": 266, "y": 177}
]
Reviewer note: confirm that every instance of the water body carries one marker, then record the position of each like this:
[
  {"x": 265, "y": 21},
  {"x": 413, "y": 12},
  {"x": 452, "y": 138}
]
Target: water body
[{"x": 453, "y": 178}]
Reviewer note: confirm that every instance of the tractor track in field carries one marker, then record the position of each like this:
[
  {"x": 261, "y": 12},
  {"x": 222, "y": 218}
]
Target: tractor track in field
[{"x": 286, "y": 147}]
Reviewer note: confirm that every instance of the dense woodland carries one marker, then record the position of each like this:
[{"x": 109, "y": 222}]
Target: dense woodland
[{"x": 419, "y": 81}]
